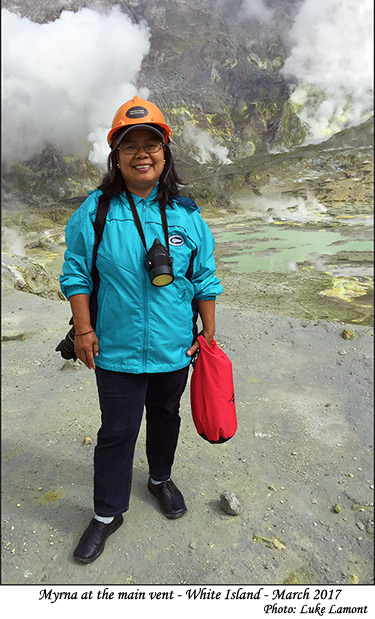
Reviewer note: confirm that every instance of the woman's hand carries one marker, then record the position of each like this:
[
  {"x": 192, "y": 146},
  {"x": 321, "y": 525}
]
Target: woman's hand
[
  {"x": 206, "y": 310},
  {"x": 86, "y": 347},
  {"x": 193, "y": 349}
]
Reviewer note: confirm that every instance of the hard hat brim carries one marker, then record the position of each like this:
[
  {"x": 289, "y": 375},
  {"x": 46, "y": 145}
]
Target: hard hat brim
[{"x": 126, "y": 130}]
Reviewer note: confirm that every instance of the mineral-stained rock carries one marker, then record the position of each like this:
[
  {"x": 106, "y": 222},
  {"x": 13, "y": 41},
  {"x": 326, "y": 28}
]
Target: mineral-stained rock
[
  {"x": 292, "y": 579},
  {"x": 24, "y": 274},
  {"x": 270, "y": 542},
  {"x": 9, "y": 337},
  {"x": 349, "y": 335},
  {"x": 231, "y": 503}
]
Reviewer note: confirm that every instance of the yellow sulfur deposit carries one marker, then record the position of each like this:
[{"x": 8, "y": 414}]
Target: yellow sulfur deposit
[{"x": 348, "y": 289}]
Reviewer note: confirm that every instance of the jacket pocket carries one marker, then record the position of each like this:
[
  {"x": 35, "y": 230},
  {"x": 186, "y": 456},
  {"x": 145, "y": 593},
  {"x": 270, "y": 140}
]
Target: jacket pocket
[
  {"x": 187, "y": 298},
  {"x": 102, "y": 298}
]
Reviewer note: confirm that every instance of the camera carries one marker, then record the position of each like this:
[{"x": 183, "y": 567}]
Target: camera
[
  {"x": 159, "y": 264},
  {"x": 66, "y": 346}
]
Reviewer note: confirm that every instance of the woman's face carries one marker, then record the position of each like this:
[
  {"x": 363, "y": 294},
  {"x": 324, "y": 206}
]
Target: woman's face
[{"x": 141, "y": 171}]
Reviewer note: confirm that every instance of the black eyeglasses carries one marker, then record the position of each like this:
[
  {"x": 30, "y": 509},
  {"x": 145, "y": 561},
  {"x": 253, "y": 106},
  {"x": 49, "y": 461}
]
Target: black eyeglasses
[{"x": 131, "y": 149}]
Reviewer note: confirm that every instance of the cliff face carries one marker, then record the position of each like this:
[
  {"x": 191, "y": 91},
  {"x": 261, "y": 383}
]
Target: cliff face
[
  {"x": 338, "y": 173},
  {"x": 208, "y": 64},
  {"x": 216, "y": 71}
]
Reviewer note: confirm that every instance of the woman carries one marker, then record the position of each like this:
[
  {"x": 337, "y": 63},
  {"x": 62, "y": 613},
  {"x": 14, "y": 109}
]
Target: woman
[{"x": 156, "y": 271}]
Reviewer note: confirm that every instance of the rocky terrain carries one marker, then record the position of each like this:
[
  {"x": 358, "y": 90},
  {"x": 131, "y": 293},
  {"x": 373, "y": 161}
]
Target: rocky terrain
[
  {"x": 217, "y": 73},
  {"x": 209, "y": 64},
  {"x": 298, "y": 328}
]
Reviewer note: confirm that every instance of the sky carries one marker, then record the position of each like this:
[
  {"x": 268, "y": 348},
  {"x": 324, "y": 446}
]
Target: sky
[{"x": 69, "y": 73}]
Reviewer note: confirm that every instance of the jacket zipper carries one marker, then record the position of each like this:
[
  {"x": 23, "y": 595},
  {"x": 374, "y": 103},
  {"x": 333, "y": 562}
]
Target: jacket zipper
[{"x": 145, "y": 298}]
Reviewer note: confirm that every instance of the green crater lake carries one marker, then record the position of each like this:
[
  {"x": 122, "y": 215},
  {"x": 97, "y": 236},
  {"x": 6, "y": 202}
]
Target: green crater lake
[{"x": 280, "y": 248}]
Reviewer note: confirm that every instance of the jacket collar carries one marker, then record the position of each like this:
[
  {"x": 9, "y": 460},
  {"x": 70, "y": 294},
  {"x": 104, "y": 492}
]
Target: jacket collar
[{"x": 137, "y": 199}]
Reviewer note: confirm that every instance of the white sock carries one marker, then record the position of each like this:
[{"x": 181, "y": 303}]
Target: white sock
[
  {"x": 106, "y": 520},
  {"x": 158, "y": 482}
]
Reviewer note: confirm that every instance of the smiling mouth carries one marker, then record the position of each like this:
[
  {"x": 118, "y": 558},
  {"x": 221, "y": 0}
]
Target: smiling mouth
[{"x": 142, "y": 167}]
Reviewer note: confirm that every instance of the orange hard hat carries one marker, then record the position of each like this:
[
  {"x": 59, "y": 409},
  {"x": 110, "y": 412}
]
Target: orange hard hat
[{"x": 138, "y": 112}]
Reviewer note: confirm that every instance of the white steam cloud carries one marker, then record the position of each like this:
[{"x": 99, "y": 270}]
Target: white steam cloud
[
  {"x": 256, "y": 9},
  {"x": 12, "y": 241},
  {"x": 202, "y": 146},
  {"x": 64, "y": 80},
  {"x": 332, "y": 60},
  {"x": 284, "y": 208}
]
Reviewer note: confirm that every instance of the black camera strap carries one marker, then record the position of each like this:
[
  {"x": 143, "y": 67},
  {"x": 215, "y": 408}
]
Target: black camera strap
[
  {"x": 138, "y": 224},
  {"x": 99, "y": 223},
  {"x": 165, "y": 227}
]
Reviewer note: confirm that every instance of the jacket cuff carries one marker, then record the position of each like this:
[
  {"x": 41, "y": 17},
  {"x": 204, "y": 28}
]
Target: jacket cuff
[
  {"x": 210, "y": 297},
  {"x": 72, "y": 290}
]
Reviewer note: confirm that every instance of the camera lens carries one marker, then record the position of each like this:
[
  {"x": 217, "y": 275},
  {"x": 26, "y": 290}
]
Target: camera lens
[
  {"x": 163, "y": 279},
  {"x": 159, "y": 264},
  {"x": 66, "y": 346}
]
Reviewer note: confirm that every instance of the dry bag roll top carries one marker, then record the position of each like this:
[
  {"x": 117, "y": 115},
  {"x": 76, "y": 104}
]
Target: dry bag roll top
[{"x": 212, "y": 394}]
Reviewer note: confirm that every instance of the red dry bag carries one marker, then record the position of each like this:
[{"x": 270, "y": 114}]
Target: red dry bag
[{"x": 212, "y": 394}]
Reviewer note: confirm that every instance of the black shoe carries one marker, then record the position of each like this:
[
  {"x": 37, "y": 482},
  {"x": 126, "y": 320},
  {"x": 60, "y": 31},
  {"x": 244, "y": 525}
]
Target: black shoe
[
  {"x": 92, "y": 542},
  {"x": 170, "y": 498}
]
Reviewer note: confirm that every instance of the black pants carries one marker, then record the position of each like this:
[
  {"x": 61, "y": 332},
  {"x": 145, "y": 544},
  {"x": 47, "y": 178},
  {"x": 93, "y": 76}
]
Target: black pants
[{"x": 122, "y": 399}]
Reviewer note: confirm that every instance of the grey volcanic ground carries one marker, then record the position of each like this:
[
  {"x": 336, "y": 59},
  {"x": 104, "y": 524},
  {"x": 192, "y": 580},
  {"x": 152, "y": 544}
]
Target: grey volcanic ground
[{"x": 301, "y": 461}]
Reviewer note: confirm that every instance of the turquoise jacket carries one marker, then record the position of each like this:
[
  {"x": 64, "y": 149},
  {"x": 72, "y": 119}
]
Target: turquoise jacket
[{"x": 141, "y": 327}]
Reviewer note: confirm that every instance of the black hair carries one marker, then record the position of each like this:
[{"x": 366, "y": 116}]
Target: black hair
[{"x": 114, "y": 184}]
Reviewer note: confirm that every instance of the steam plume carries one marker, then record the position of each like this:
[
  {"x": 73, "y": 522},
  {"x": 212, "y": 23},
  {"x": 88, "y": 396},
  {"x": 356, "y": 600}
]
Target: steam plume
[
  {"x": 256, "y": 9},
  {"x": 332, "y": 62},
  {"x": 64, "y": 80},
  {"x": 202, "y": 145}
]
